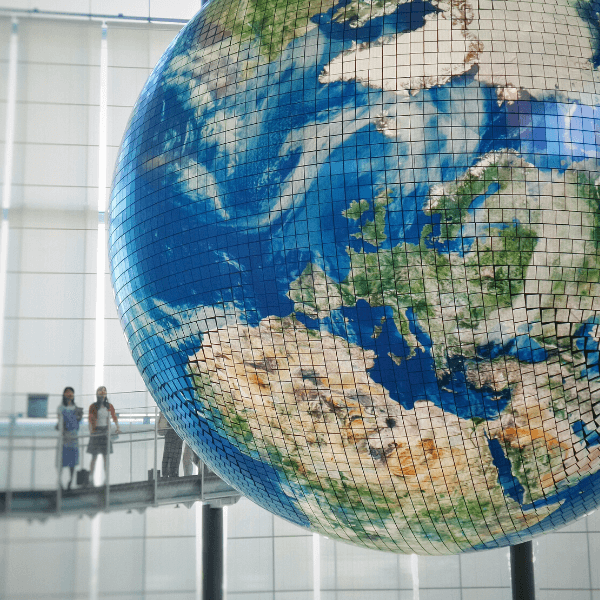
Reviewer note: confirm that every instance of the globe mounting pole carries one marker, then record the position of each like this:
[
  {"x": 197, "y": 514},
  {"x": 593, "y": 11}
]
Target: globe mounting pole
[
  {"x": 212, "y": 552},
  {"x": 521, "y": 571}
]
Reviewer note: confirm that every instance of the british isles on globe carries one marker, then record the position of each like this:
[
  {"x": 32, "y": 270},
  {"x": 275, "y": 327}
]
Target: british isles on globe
[{"x": 355, "y": 248}]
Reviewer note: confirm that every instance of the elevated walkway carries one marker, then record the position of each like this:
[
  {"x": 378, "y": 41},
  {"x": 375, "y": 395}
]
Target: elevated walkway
[
  {"x": 31, "y": 484},
  {"x": 39, "y": 504}
]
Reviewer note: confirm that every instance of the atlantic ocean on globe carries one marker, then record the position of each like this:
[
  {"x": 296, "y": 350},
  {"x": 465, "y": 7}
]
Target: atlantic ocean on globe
[{"x": 355, "y": 248}]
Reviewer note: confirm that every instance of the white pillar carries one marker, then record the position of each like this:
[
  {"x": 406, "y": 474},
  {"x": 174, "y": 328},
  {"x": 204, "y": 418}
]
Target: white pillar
[
  {"x": 11, "y": 104},
  {"x": 101, "y": 246},
  {"x": 95, "y": 531},
  {"x": 414, "y": 569},
  {"x": 316, "y": 566}
]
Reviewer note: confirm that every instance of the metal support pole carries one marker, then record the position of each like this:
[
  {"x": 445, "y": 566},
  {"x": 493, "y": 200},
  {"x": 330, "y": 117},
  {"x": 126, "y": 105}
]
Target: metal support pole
[
  {"x": 11, "y": 426},
  {"x": 107, "y": 466},
  {"x": 521, "y": 571},
  {"x": 34, "y": 439},
  {"x": 212, "y": 553},
  {"x": 59, "y": 462},
  {"x": 130, "y": 448},
  {"x": 155, "y": 455}
]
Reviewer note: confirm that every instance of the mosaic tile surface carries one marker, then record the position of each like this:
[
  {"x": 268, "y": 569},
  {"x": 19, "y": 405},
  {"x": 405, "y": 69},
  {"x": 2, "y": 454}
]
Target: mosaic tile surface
[{"x": 355, "y": 248}]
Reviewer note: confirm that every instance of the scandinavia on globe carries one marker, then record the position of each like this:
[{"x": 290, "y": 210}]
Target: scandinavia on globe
[{"x": 355, "y": 248}]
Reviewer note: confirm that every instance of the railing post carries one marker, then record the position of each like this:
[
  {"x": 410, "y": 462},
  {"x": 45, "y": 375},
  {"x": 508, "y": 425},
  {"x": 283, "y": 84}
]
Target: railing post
[
  {"x": 107, "y": 466},
  {"x": 130, "y": 447},
  {"x": 33, "y": 463},
  {"x": 155, "y": 456},
  {"x": 11, "y": 425},
  {"x": 59, "y": 462}
]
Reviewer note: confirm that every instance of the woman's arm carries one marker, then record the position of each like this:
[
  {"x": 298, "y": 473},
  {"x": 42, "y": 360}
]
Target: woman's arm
[
  {"x": 92, "y": 418},
  {"x": 114, "y": 416}
]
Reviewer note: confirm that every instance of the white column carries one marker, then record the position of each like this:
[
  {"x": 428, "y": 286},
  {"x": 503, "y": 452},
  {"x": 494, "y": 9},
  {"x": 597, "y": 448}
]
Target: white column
[
  {"x": 11, "y": 104},
  {"x": 102, "y": 193},
  {"x": 95, "y": 531},
  {"x": 414, "y": 569},
  {"x": 316, "y": 566}
]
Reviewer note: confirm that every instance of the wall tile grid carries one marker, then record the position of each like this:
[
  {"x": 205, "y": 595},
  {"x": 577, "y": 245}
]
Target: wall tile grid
[{"x": 154, "y": 553}]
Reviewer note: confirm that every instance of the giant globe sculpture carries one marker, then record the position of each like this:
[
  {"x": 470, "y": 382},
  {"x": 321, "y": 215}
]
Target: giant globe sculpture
[{"x": 355, "y": 248}]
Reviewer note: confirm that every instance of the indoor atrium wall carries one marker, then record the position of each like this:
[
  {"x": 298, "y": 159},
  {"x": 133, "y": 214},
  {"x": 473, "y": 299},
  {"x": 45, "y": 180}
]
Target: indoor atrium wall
[{"x": 50, "y": 331}]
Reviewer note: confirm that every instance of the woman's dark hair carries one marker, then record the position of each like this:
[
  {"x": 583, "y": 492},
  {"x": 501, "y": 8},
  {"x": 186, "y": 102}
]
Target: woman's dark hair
[
  {"x": 65, "y": 399},
  {"x": 99, "y": 403}
]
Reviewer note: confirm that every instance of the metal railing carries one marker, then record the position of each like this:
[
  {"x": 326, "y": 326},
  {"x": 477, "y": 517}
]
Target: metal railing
[{"x": 33, "y": 481}]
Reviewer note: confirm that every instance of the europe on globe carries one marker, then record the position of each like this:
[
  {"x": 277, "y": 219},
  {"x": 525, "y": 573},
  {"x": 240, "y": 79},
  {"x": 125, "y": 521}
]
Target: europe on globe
[{"x": 355, "y": 248}]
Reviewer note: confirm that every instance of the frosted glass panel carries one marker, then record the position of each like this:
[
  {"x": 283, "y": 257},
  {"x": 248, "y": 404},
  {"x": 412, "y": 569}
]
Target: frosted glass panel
[
  {"x": 487, "y": 569},
  {"x": 126, "y": 575},
  {"x": 293, "y": 563},
  {"x": 184, "y": 9},
  {"x": 77, "y": 84},
  {"x": 71, "y": 124},
  {"x": 250, "y": 563},
  {"x": 60, "y": 42},
  {"x": 550, "y": 571},
  {"x": 171, "y": 564},
  {"x": 359, "y": 569},
  {"x": 246, "y": 519},
  {"x": 131, "y": 8}
]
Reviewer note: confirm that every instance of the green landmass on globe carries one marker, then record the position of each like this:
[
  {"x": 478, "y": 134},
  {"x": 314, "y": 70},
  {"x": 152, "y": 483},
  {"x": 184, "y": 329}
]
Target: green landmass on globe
[{"x": 275, "y": 389}]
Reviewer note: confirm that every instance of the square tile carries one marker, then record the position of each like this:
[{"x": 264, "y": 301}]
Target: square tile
[
  {"x": 489, "y": 568},
  {"x": 293, "y": 563},
  {"x": 170, "y": 564},
  {"x": 438, "y": 571},
  {"x": 253, "y": 560},
  {"x": 553, "y": 552},
  {"x": 246, "y": 519},
  {"x": 486, "y": 593}
]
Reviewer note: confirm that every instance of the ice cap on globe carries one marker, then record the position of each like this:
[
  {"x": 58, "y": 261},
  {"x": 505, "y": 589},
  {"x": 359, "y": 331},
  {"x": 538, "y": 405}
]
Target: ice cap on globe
[{"x": 355, "y": 249}]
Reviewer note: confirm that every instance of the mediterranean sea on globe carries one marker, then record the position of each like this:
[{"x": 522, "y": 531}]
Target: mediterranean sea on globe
[{"x": 355, "y": 247}]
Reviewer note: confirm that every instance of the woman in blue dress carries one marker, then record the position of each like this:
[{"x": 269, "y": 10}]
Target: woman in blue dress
[{"x": 69, "y": 417}]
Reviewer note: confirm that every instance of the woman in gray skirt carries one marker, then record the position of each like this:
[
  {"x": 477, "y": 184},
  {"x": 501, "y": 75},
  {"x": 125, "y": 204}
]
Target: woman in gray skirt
[{"x": 100, "y": 414}]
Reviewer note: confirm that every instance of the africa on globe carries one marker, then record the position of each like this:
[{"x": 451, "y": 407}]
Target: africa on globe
[{"x": 355, "y": 249}]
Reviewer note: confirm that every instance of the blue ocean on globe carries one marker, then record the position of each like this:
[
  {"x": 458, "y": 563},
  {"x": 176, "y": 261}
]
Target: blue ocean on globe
[{"x": 361, "y": 276}]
